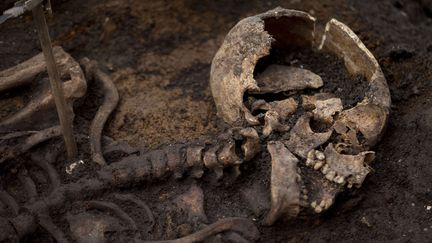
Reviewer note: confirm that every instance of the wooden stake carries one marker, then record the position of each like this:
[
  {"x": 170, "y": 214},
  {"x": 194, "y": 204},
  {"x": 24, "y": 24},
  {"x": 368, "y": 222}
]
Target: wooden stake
[{"x": 54, "y": 77}]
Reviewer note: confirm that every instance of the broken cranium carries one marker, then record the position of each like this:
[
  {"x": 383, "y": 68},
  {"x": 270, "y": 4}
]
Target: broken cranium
[{"x": 310, "y": 163}]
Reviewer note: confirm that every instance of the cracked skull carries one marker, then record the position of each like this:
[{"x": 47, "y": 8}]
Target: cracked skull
[
  {"x": 315, "y": 130},
  {"x": 318, "y": 140}
]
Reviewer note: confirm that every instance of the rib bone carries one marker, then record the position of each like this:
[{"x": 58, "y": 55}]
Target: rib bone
[{"x": 38, "y": 113}]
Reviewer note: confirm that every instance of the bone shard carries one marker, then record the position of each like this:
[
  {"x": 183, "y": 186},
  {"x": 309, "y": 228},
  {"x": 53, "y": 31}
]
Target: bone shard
[
  {"x": 228, "y": 156},
  {"x": 272, "y": 123},
  {"x": 309, "y": 101},
  {"x": 279, "y": 78},
  {"x": 284, "y": 107},
  {"x": 192, "y": 202},
  {"x": 326, "y": 109},
  {"x": 194, "y": 160},
  {"x": 352, "y": 167},
  {"x": 251, "y": 145},
  {"x": 92, "y": 228},
  {"x": 211, "y": 162},
  {"x": 369, "y": 119},
  {"x": 285, "y": 191},
  {"x": 303, "y": 139}
]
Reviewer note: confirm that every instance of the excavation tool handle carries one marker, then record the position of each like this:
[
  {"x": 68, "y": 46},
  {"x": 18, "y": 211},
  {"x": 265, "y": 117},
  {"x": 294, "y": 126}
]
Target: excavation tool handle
[
  {"x": 40, "y": 22},
  {"x": 19, "y": 8}
]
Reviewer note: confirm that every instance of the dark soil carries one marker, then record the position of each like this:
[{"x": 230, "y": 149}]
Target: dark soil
[{"x": 159, "y": 52}]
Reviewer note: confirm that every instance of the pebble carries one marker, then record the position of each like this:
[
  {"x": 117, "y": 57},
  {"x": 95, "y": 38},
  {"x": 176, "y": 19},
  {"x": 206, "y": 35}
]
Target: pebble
[{"x": 365, "y": 221}]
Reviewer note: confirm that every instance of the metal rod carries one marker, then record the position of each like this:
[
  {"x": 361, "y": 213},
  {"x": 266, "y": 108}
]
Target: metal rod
[{"x": 54, "y": 77}]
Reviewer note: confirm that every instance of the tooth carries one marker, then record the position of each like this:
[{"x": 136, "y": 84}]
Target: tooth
[
  {"x": 322, "y": 203},
  {"x": 260, "y": 105},
  {"x": 319, "y": 155},
  {"x": 330, "y": 175},
  {"x": 310, "y": 160},
  {"x": 318, "y": 165},
  {"x": 313, "y": 204},
  {"x": 311, "y": 154},
  {"x": 339, "y": 179},
  {"x": 318, "y": 209},
  {"x": 303, "y": 139},
  {"x": 325, "y": 169},
  {"x": 305, "y": 197},
  {"x": 328, "y": 203}
]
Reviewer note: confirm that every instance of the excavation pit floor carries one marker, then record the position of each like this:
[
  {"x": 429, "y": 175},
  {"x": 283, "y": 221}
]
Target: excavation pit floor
[{"x": 159, "y": 53}]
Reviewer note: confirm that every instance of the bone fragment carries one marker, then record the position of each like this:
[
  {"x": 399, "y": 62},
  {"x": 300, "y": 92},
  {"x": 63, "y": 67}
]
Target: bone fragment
[
  {"x": 251, "y": 145},
  {"x": 285, "y": 191},
  {"x": 303, "y": 139},
  {"x": 279, "y": 78}
]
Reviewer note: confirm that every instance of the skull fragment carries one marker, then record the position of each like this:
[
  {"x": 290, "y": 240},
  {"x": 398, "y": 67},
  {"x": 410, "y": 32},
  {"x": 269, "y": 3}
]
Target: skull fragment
[{"x": 318, "y": 144}]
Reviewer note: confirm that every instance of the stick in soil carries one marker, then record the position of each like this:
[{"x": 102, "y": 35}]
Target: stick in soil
[{"x": 65, "y": 121}]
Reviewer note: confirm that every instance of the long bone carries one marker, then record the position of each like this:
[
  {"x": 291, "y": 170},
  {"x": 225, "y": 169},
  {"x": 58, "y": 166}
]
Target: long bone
[
  {"x": 111, "y": 99},
  {"x": 75, "y": 88},
  {"x": 241, "y": 225},
  {"x": 18, "y": 138},
  {"x": 149, "y": 166},
  {"x": 40, "y": 107},
  {"x": 231, "y": 76}
]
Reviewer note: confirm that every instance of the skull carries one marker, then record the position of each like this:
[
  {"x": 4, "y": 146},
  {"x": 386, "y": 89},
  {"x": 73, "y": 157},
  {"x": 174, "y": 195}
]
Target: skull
[{"x": 309, "y": 167}]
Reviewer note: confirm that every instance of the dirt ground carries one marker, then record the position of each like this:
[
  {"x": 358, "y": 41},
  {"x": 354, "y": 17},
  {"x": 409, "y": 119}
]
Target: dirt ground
[{"x": 159, "y": 53}]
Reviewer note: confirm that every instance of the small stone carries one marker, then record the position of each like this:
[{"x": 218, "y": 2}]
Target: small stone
[{"x": 365, "y": 221}]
